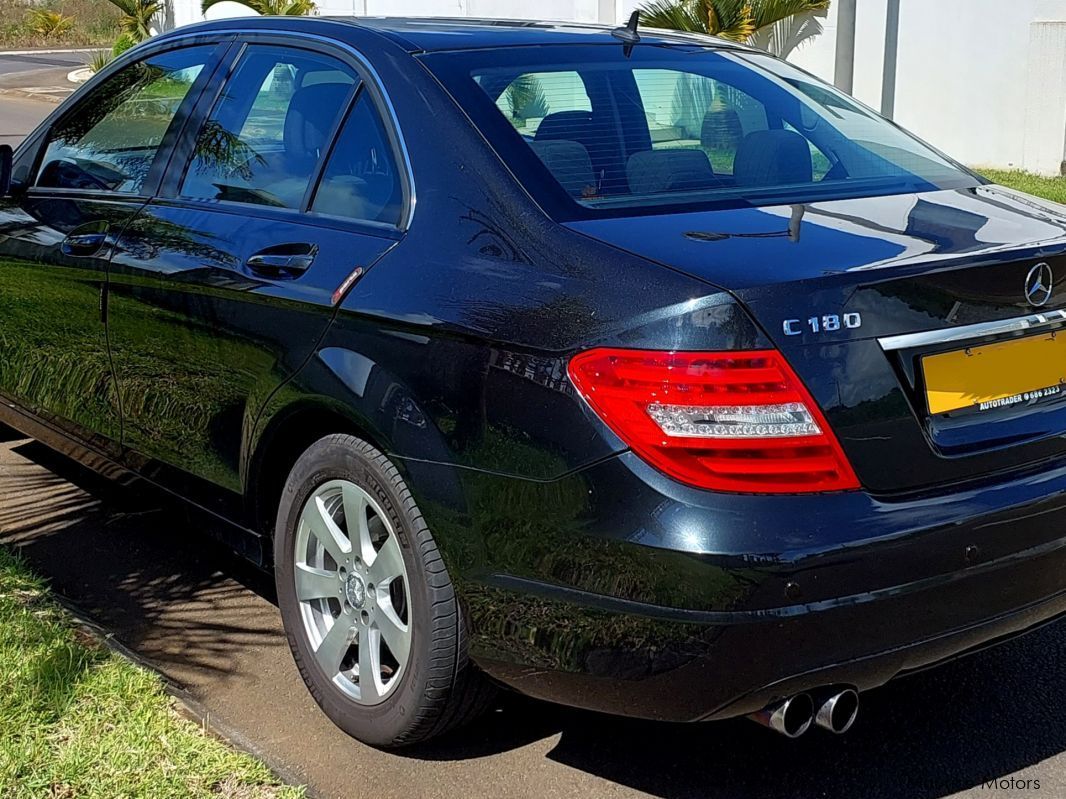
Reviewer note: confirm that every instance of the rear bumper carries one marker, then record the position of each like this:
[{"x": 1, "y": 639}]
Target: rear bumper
[
  {"x": 631, "y": 594},
  {"x": 750, "y": 665}
]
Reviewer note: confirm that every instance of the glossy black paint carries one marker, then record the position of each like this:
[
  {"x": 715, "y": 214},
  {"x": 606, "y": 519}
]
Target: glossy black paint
[
  {"x": 586, "y": 576},
  {"x": 54, "y": 354}
]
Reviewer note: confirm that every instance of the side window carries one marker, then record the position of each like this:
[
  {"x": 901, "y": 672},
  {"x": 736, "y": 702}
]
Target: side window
[
  {"x": 688, "y": 111},
  {"x": 269, "y": 128},
  {"x": 111, "y": 139},
  {"x": 361, "y": 179},
  {"x": 531, "y": 97},
  {"x": 820, "y": 163}
]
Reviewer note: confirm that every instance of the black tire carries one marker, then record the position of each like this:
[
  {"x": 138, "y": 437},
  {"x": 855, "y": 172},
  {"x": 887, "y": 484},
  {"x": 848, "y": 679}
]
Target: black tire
[{"x": 440, "y": 689}]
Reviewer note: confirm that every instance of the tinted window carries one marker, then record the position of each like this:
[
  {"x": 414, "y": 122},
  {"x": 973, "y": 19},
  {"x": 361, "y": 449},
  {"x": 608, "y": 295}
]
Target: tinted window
[
  {"x": 531, "y": 97},
  {"x": 684, "y": 126},
  {"x": 269, "y": 128},
  {"x": 687, "y": 111},
  {"x": 360, "y": 180},
  {"x": 112, "y": 138}
]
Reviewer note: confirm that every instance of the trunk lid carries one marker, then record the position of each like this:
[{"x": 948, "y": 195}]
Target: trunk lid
[{"x": 842, "y": 288}]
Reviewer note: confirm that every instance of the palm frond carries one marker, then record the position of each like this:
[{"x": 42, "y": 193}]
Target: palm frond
[
  {"x": 784, "y": 37},
  {"x": 678, "y": 15},
  {"x": 137, "y": 16},
  {"x": 98, "y": 59},
  {"x": 739, "y": 20},
  {"x": 270, "y": 8},
  {"x": 738, "y": 24},
  {"x": 298, "y": 8},
  {"x": 48, "y": 23},
  {"x": 768, "y": 12}
]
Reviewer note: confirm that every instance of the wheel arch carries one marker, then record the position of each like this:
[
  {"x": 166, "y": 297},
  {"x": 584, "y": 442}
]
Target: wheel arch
[{"x": 279, "y": 442}]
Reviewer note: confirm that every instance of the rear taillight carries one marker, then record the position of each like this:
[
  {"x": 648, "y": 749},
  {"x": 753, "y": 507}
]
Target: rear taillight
[{"x": 727, "y": 421}]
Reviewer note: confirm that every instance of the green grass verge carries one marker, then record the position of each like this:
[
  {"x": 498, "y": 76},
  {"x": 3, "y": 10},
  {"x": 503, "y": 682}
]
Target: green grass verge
[
  {"x": 78, "y": 721},
  {"x": 1049, "y": 188}
]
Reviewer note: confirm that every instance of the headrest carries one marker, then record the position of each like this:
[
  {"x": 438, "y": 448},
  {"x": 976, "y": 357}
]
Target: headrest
[
  {"x": 652, "y": 171},
  {"x": 563, "y": 125},
  {"x": 310, "y": 117},
  {"x": 569, "y": 162},
  {"x": 721, "y": 129},
  {"x": 773, "y": 158}
]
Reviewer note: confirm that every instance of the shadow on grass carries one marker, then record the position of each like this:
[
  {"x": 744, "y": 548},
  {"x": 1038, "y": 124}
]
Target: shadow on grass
[{"x": 129, "y": 559}]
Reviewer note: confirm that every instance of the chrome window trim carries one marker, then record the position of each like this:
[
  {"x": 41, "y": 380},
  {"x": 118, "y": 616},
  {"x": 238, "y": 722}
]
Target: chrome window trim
[
  {"x": 374, "y": 83},
  {"x": 966, "y": 332}
]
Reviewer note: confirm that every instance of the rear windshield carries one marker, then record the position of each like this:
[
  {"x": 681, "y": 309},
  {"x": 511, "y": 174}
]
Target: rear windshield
[{"x": 590, "y": 129}]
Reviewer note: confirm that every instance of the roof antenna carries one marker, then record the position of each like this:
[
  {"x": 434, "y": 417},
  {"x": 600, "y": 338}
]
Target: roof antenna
[{"x": 628, "y": 35}]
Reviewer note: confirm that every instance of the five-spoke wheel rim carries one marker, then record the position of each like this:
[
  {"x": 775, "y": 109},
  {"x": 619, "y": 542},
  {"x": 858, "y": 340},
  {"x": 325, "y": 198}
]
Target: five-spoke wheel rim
[{"x": 353, "y": 592}]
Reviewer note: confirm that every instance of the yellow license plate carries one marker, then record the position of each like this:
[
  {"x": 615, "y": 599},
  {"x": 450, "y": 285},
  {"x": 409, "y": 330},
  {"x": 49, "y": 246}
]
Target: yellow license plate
[{"x": 996, "y": 375}]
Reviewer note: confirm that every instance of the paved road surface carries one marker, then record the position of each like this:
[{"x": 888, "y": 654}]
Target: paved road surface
[
  {"x": 12, "y": 64},
  {"x": 206, "y": 621},
  {"x": 42, "y": 74},
  {"x": 19, "y": 116}
]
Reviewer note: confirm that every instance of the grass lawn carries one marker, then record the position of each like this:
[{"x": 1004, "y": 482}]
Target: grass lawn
[
  {"x": 1048, "y": 188},
  {"x": 77, "y": 721},
  {"x": 92, "y": 22}
]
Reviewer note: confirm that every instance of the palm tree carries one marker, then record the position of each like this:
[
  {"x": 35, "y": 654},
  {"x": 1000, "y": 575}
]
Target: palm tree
[
  {"x": 271, "y": 8},
  {"x": 137, "y": 15},
  {"x": 779, "y": 26}
]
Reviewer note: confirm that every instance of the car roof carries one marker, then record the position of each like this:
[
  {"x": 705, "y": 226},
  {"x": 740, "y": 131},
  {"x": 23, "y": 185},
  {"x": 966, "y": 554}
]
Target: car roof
[
  {"x": 430, "y": 34},
  {"x": 433, "y": 34}
]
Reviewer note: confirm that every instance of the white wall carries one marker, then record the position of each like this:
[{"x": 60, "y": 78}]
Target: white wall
[{"x": 983, "y": 80}]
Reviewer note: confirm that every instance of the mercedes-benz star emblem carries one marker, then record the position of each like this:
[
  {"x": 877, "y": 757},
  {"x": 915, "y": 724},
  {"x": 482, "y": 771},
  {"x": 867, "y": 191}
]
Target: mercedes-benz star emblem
[{"x": 1038, "y": 285}]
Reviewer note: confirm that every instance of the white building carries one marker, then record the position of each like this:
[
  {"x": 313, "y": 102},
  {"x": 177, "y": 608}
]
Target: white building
[{"x": 983, "y": 80}]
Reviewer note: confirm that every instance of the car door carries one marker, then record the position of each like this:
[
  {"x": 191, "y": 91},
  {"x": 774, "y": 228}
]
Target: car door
[
  {"x": 98, "y": 163},
  {"x": 222, "y": 285}
]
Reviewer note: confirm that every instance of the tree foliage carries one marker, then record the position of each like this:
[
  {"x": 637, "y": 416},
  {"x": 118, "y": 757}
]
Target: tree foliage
[
  {"x": 137, "y": 16},
  {"x": 271, "y": 8},
  {"x": 49, "y": 24},
  {"x": 525, "y": 98},
  {"x": 777, "y": 25}
]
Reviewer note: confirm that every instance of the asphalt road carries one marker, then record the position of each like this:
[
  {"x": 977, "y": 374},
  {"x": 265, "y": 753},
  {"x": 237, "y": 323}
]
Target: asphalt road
[
  {"x": 207, "y": 622},
  {"x": 12, "y": 64},
  {"x": 19, "y": 116}
]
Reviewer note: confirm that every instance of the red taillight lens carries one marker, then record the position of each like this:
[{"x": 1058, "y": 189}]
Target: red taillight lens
[{"x": 727, "y": 421}]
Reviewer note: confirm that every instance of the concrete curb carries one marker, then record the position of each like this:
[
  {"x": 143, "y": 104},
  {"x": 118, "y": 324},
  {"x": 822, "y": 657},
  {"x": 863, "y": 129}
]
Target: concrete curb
[{"x": 184, "y": 704}]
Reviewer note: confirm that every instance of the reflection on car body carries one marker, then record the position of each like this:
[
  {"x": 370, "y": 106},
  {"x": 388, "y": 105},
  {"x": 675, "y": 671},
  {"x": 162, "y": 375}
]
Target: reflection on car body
[{"x": 644, "y": 377}]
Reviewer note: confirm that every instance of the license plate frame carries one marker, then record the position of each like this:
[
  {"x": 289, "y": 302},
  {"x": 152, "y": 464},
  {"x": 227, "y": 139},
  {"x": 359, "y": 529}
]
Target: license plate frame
[{"x": 1001, "y": 374}]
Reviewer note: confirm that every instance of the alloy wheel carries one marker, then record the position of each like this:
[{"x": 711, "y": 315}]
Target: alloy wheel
[{"x": 353, "y": 591}]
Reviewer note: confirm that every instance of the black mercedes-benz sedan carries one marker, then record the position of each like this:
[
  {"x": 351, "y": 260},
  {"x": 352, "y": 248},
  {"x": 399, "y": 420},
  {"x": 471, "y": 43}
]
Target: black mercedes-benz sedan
[{"x": 640, "y": 372}]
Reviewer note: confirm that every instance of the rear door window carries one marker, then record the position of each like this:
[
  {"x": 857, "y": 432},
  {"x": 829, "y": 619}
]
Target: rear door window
[
  {"x": 269, "y": 129},
  {"x": 361, "y": 180},
  {"x": 111, "y": 139}
]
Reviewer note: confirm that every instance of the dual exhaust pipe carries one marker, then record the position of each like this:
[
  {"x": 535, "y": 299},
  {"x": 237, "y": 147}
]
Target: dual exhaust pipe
[{"x": 834, "y": 710}]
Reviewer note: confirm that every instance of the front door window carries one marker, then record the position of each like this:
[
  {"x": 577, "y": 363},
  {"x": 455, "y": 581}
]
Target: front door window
[{"x": 111, "y": 139}]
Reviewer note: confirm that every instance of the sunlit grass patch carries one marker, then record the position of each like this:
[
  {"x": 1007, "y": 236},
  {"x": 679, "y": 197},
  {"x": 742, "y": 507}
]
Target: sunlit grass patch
[
  {"x": 78, "y": 721},
  {"x": 1049, "y": 188}
]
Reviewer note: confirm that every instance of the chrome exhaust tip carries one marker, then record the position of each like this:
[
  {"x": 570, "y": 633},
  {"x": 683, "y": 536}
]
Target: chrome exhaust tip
[
  {"x": 837, "y": 711},
  {"x": 790, "y": 718}
]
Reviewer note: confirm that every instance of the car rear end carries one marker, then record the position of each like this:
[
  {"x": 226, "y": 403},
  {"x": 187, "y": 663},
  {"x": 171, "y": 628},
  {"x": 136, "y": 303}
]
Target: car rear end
[{"x": 869, "y": 483}]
